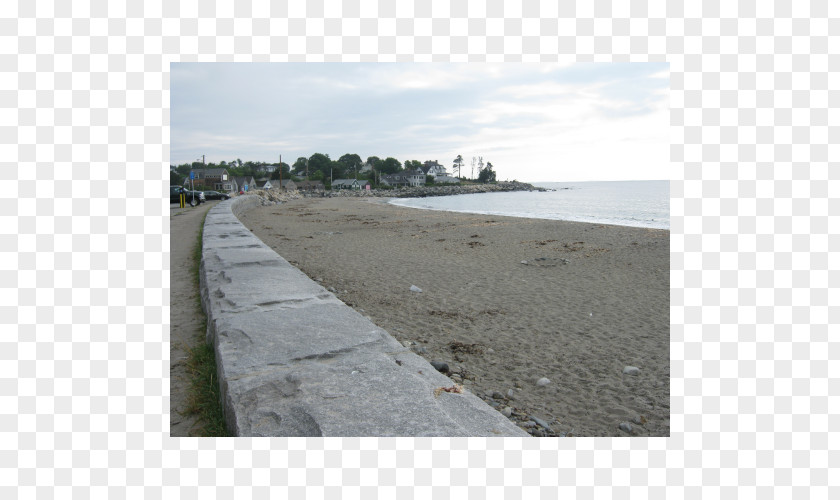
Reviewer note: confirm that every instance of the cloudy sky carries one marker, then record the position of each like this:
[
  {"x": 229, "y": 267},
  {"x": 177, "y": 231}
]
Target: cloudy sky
[{"x": 596, "y": 121}]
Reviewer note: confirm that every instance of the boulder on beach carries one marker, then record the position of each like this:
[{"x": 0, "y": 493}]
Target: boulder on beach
[{"x": 631, "y": 370}]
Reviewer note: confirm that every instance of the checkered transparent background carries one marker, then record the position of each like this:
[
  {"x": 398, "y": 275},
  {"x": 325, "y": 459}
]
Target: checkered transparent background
[{"x": 84, "y": 239}]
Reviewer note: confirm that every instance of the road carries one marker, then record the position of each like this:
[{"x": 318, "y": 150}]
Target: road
[{"x": 187, "y": 319}]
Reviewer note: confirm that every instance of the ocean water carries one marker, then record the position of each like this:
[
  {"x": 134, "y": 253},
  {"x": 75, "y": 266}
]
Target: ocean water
[{"x": 623, "y": 203}]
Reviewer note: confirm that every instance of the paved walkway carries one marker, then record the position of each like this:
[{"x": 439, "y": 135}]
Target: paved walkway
[{"x": 186, "y": 316}]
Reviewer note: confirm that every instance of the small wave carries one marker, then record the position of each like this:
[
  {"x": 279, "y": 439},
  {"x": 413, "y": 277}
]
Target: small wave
[{"x": 637, "y": 204}]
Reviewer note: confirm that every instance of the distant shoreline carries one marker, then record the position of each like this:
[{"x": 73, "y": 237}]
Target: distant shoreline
[
  {"x": 449, "y": 190},
  {"x": 277, "y": 195}
]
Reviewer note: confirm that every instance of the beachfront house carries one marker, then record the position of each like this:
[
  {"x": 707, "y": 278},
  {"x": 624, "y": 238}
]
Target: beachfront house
[
  {"x": 433, "y": 168},
  {"x": 393, "y": 180},
  {"x": 402, "y": 179},
  {"x": 350, "y": 184},
  {"x": 245, "y": 184},
  {"x": 287, "y": 184},
  {"x": 211, "y": 178},
  {"x": 415, "y": 177}
]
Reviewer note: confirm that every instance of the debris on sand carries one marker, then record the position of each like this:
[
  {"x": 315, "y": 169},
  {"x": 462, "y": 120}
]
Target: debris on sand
[{"x": 457, "y": 389}]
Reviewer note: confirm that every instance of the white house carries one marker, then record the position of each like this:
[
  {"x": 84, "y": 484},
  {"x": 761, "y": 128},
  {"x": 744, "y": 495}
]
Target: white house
[{"x": 433, "y": 168}]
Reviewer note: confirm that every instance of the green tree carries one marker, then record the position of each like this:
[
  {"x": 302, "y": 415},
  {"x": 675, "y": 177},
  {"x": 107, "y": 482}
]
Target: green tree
[
  {"x": 319, "y": 162},
  {"x": 284, "y": 168},
  {"x": 351, "y": 163},
  {"x": 184, "y": 169},
  {"x": 390, "y": 166},
  {"x": 412, "y": 164},
  {"x": 373, "y": 161},
  {"x": 457, "y": 165},
  {"x": 337, "y": 170},
  {"x": 487, "y": 174},
  {"x": 299, "y": 166},
  {"x": 175, "y": 179}
]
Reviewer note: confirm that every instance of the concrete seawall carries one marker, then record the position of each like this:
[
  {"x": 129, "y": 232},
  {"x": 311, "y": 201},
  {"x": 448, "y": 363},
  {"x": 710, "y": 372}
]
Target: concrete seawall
[{"x": 293, "y": 360}]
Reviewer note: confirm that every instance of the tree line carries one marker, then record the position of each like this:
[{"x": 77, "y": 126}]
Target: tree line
[{"x": 319, "y": 167}]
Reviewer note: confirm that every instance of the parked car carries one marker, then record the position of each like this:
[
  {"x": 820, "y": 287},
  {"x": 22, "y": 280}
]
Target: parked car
[
  {"x": 175, "y": 196},
  {"x": 215, "y": 195}
]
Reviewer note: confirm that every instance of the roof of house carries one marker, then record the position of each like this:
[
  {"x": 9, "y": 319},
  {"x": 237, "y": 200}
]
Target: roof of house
[
  {"x": 429, "y": 164},
  {"x": 399, "y": 178},
  {"x": 350, "y": 182},
  {"x": 209, "y": 172}
]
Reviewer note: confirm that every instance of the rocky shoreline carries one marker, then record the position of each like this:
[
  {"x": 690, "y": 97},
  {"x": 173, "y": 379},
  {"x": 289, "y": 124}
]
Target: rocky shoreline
[
  {"x": 276, "y": 195},
  {"x": 451, "y": 190}
]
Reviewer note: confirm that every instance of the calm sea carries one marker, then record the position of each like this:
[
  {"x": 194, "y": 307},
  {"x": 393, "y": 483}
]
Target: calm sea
[{"x": 624, "y": 203}]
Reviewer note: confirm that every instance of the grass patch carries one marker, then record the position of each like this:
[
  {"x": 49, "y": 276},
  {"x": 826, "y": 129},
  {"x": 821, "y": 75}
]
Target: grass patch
[
  {"x": 196, "y": 260},
  {"x": 204, "y": 398}
]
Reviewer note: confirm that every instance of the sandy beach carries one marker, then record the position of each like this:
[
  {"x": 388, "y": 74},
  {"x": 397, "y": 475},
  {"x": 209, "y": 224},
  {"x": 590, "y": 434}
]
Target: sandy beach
[{"x": 505, "y": 302}]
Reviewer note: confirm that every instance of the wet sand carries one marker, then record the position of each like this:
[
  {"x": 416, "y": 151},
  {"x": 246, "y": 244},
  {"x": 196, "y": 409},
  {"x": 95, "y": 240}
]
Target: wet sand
[{"x": 590, "y": 300}]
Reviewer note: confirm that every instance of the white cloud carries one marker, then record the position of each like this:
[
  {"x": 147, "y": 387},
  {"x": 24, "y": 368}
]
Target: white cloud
[
  {"x": 562, "y": 133},
  {"x": 534, "y": 122},
  {"x": 416, "y": 76}
]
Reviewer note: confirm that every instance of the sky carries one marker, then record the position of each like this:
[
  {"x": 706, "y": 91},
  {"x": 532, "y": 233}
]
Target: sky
[{"x": 533, "y": 122}]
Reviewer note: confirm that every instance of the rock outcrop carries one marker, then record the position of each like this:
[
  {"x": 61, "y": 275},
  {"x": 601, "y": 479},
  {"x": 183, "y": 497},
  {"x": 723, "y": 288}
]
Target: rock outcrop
[{"x": 276, "y": 195}]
